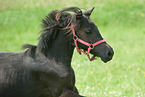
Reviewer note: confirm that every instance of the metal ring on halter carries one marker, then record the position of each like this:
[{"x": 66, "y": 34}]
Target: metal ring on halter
[
  {"x": 91, "y": 46},
  {"x": 75, "y": 37}
]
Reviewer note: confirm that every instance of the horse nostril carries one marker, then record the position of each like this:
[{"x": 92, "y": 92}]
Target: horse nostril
[{"x": 110, "y": 54}]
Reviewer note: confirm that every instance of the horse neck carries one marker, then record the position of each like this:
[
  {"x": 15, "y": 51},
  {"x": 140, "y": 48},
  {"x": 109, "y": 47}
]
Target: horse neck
[{"x": 61, "y": 50}]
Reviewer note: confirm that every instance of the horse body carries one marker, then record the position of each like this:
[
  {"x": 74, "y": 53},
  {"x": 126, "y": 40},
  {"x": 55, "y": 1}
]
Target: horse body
[
  {"x": 21, "y": 75},
  {"x": 45, "y": 70}
]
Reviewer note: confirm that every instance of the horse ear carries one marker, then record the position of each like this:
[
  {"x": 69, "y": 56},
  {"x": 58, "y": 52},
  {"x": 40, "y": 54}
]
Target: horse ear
[{"x": 88, "y": 12}]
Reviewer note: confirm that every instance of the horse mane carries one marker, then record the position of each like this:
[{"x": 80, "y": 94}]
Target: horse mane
[{"x": 53, "y": 22}]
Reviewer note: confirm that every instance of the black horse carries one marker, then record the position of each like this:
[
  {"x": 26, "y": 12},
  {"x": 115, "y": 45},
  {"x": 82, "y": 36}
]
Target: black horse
[{"x": 45, "y": 70}]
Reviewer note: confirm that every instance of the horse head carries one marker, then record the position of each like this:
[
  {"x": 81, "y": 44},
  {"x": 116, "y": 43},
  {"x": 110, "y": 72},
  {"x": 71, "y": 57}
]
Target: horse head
[{"x": 87, "y": 37}]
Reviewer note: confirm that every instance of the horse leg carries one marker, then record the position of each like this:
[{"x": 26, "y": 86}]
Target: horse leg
[{"x": 69, "y": 93}]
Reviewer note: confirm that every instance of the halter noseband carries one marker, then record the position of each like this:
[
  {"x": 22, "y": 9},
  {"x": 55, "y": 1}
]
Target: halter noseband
[{"x": 90, "y": 46}]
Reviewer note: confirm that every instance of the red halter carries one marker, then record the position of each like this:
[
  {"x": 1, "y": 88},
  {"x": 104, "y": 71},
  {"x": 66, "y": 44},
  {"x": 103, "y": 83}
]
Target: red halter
[{"x": 90, "y": 46}]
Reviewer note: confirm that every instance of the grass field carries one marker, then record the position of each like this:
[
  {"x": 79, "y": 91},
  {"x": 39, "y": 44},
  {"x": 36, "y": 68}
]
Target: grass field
[{"x": 121, "y": 23}]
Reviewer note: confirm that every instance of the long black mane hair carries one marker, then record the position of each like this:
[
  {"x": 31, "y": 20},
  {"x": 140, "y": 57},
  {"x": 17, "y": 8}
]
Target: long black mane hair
[{"x": 55, "y": 21}]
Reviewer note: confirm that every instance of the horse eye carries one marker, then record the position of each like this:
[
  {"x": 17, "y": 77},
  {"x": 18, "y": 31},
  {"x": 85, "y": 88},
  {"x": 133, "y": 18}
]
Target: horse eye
[{"x": 88, "y": 32}]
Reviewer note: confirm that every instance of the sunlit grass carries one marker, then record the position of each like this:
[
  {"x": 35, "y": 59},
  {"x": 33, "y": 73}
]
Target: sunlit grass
[{"x": 121, "y": 23}]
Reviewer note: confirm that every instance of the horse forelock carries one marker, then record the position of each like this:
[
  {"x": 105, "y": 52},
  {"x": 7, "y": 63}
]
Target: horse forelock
[{"x": 60, "y": 18}]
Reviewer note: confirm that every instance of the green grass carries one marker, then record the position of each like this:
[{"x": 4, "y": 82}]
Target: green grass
[{"x": 121, "y": 23}]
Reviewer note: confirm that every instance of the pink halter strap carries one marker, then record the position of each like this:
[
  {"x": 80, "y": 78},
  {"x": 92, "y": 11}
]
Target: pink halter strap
[{"x": 90, "y": 46}]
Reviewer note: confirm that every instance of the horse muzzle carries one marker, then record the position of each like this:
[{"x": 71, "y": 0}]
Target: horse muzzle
[{"x": 104, "y": 51}]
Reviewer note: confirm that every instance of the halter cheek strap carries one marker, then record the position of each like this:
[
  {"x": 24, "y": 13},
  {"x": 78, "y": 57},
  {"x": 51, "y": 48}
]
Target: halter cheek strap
[{"x": 90, "y": 46}]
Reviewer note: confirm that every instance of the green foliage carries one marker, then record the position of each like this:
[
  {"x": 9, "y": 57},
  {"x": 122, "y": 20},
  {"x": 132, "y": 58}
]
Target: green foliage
[{"x": 121, "y": 22}]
